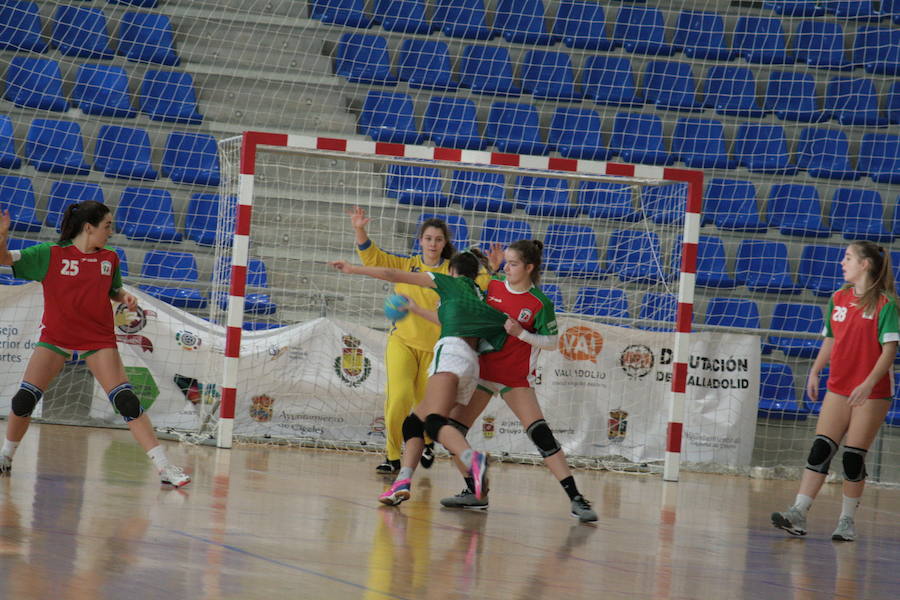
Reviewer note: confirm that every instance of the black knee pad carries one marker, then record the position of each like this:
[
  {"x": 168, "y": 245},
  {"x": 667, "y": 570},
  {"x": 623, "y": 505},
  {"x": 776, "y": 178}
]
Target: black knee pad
[
  {"x": 854, "y": 463},
  {"x": 126, "y": 402},
  {"x": 433, "y": 424},
  {"x": 463, "y": 429},
  {"x": 24, "y": 400},
  {"x": 539, "y": 433},
  {"x": 413, "y": 427},
  {"x": 820, "y": 455}
]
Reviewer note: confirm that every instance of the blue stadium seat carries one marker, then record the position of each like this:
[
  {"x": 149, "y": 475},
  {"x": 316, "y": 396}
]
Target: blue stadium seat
[
  {"x": 81, "y": 31},
  {"x": 642, "y": 30},
  {"x": 732, "y": 91},
  {"x": 140, "y": 3},
  {"x": 670, "y": 85},
  {"x": 613, "y": 201},
  {"x": 20, "y": 27},
  {"x": 893, "y": 416},
  {"x": 169, "y": 96},
  {"x": 660, "y": 307},
  {"x": 402, "y": 16},
  {"x": 700, "y": 144},
  {"x": 859, "y": 215},
  {"x": 35, "y": 83},
  {"x": 8, "y": 157},
  {"x": 459, "y": 230},
  {"x": 350, "y": 13},
  {"x": 389, "y": 117},
  {"x": 796, "y": 8},
  {"x": 763, "y": 149},
  {"x": 732, "y": 312},
  {"x": 763, "y": 266},
  {"x": 452, "y": 123},
  {"x": 102, "y": 90},
  {"x": 17, "y": 196},
  {"x": 64, "y": 193},
  {"x": 554, "y": 294},
  {"x": 504, "y": 232},
  {"x": 487, "y": 70},
  {"x": 255, "y": 303},
  {"x": 879, "y": 157},
  {"x": 806, "y": 318},
  {"x": 824, "y": 153},
  {"x": 581, "y": 24},
  {"x": 820, "y": 269},
  {"x": 124, "y": 152},
  {"x": 462, "y": 19},
  {"x": 478, "y": 190},
  {"x": 712, "y": 268},
  {"x": 202, "y": 219},
  {"x": 548, "y": 76},
  {"x": 425, "y": 65},
  {"x": 792, "y": 97},
  {"x": 56, "y": 147},
  {"x": 608, "y": 80},
  {"x": 853, "y": 101},
  {"x": 877, "y": 49},
  {"x": 147, "y": 37},
  {"x": 730, "y": 204},
  {"x": 701, "y": 35},
  {"x": 522, "y": 22},
  {"x": 638, "y": 138},
  {"x": 796, "y": 209},
  {"x": 635, "y": 256},
  {"x": 191, "y": 158},
  {"x": 418, "y": 186},
  {"x": 777, "y": 394},
  {"x": 891, "y": 8},
  {"x": 575, "y": 133},
  {"x": 146, "y": 214},
  {"x": 571, "y": 251},
  {"x": 892, "y": 103},
  {"x": 544, "y": 196},
  {"x": 895, "y": 262},
  {"x": 761, "y": 40},
  {"x": 15, "y": 244},
  {"x": 895, "y": 229},
  {"x": 665, "y": 204},
  {"x": 820, "y": 44},
  {"x": 515, "y": 128},
  {"x": 173, "y": 266},
  {"x": 857, "y": 10},
  {"x": 602, "y": 302},
  {"x": 363, "y": 58}
]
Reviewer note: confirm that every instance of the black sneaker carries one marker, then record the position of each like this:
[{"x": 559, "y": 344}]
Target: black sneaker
[
  {"x": 427, "y": 456},
  {"x": 388, "y": 467}
]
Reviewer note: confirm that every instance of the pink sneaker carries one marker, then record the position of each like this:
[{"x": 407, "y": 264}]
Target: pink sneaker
[
  {"x": 478, "y": 471},
  {"x": 398, "y": 493}
]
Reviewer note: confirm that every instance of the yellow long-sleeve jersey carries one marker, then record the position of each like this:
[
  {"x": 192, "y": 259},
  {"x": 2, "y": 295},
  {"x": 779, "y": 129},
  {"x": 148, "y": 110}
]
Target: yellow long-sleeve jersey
[{"x": 413, "y": 330}]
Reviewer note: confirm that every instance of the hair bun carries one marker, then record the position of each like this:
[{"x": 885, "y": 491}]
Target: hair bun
[{"x": 539, "y": 244}]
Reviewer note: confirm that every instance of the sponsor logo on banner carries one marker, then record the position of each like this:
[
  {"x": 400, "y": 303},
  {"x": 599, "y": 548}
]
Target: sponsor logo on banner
[
  {"x": 261, "y": 408},
  {"x": 617, "y": 425},
  {"x": 376, "y": 427},
  {"x": 297, "y": 353},
  {"x": 130, "y": 322},
  {"x": 188, "y": 339},
  {"x": 581, "y": 343},
  {"x": 487, "y": 427},
  {"x": 636, "y": 360},
  {"x": 352, "y": 366}
]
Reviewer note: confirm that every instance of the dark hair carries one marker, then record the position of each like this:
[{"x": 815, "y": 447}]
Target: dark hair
[
  {"x": 468, "y": 263},
  {"x": 880, "y": 272},
  {"x": 530, "y": 252},
  {"x": 448, "y": 250},
  {"x": 77, "y": 215}
]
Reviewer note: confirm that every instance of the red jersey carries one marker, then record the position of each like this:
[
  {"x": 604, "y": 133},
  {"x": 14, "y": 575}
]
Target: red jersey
[
  {"x": 77, "y": 289},
  {"x": 514, "y": 365},
  {"x": 857, "y": 342}
]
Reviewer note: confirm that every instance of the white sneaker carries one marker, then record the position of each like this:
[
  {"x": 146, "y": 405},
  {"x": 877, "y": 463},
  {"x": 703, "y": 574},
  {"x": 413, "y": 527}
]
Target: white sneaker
[
  {"x": 174, "y": 475},
  {"x": 791, "y": 520},
  {"x": 5, "y": 464},
  {"x": 845, "y": 531}
]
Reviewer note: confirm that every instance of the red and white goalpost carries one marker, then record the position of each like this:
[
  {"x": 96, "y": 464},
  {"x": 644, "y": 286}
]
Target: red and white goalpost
[{"x": 256, "y": 149}]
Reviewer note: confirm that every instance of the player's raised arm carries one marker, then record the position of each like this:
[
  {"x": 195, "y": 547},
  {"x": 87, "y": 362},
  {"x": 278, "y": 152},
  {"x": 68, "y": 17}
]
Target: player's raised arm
[
  {"x": 5, "y": 255},
  {"x": 385, "y": 274}
]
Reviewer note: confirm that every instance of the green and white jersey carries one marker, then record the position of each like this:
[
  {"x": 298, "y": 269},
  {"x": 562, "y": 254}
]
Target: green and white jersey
[{"x": 464, "y": 313}]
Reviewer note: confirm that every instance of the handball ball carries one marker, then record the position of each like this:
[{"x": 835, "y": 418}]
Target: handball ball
[{"x": 396, "y": 307}]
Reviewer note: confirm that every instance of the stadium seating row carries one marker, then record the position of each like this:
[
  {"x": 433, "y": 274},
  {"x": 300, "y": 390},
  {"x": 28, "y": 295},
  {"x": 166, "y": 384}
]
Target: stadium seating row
[
  {"x": 81, "y": 31},
  {"x": 637, "y": 29},
  {"x": 53, "y": 146},
  {"x": 102, "y": 90}
]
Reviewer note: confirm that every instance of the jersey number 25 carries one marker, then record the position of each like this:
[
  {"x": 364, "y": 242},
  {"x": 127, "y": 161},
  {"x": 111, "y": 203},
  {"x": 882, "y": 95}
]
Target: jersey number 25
[{"x": 69, "y": 267}]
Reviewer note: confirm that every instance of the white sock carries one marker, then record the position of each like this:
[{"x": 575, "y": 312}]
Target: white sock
[
  {"x": 802, "y": 503},
  {"x": 158, "y": 455},
  {"x": 9, "y": 448},
  {"x": 466, "y": 457},
  {"x": 849, "y": 506},
  {"x": 405, "y": 473}
]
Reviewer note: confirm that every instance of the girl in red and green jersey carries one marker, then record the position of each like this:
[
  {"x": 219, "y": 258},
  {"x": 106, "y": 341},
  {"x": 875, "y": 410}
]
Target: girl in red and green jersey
[
  {"x": 861, "y": 336},
  {"x": 80, "y": 276}
]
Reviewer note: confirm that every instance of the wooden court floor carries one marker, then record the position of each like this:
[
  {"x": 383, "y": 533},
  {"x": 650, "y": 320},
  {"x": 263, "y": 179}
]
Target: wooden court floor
[{"x": 83, "y": 517}]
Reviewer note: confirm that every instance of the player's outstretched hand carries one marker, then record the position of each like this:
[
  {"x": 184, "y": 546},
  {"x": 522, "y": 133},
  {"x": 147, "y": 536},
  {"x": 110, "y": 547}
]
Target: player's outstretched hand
[
  {"x": 130, "y": 301},
  {"x": 358, "y": 218},
  {"x": 812, "y": 387},
  {"x": 512, "y": 327},
  {"x": 341, "y": 265},
  {"x": 495, "y": 256}
]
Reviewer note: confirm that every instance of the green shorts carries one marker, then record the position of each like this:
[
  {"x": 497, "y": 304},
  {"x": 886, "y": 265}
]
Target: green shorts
[{"x": 69, "y": 354}]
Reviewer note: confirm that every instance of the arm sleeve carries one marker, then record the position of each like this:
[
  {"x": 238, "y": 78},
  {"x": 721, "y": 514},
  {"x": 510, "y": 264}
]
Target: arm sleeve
[
  {"x": 545, "y": 320},
  {"x": 544, "y": 342},
  {"x": 888, "y": 330},
  {"x": 827, "y": 331},
  {"x": 373, "y": 256},
  {"x": 32, "y": 262},
  {"x": 116, "y": 283}
]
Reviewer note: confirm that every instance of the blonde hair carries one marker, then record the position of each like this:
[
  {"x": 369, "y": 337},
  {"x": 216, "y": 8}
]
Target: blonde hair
[{"x": 880, "y": 271}]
